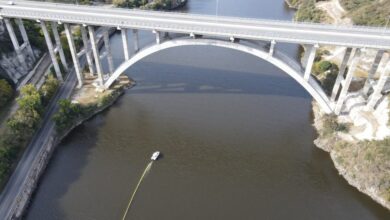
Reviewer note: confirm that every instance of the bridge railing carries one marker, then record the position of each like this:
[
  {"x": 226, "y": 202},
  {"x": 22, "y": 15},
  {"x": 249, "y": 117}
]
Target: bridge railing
[{"x": 226, "y": 18}]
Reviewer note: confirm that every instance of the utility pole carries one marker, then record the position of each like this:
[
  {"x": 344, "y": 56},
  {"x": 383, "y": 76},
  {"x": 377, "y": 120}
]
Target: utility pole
[
  {"x": 387, "y": 23},
  {"x": 217, "y": 8}
]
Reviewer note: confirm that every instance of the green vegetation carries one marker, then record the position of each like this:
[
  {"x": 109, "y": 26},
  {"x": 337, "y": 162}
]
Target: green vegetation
[
  {"x": 326, "y": 72},
  {"x": 32, "y": 28},
  {"x": 49, "y": 89},
  {"x": 368, "y": 12},
  {"x": 6, "y": 92},
  {"x": 307, "y": 11},
  {"x": 159, "y": 5},
  {"x": 129, "y": 3},
  {"x": 369, "y": 162},
  {"x": 331, "y": 126},
  {"x": 68, "y": 114},
  {"x": 71, "y": 113},
  {"x": 23, "y": 124},
  {"x": 144, "y": 4}
]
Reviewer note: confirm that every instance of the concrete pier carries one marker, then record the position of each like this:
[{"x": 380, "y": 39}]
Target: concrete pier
[
  {"x": 52, "y": 53},
  {"x": 54, "y": 27},
  {"x": 272, "y": 48},
  {"x": 310, "y": 61},
  {"x": 73, "y": 52},
  {"x": 87, "y": 48},
  {"x": 158, "y": 36},
  {"x": 347, "y": 82},
  {"x": 125, "y": 43},
  {"x": 340, "y": 76},
  {"x": 377, "y": 95},
  {"x": 96, "y": 54},
  {"x": 107, "y": 46},
  {"x": 15, "y": 43},
  {"x": 373, "y": 70},
  {"x": 135, "y": 40},
  {"x": 25, "y": 37}
]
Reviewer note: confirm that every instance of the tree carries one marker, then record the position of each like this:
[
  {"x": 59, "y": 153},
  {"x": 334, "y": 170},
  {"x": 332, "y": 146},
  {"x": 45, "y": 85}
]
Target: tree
[
  {"x": 67, "y": 114},
  {"x": 29, "y": 99},
  {"x": 27, "y": 117},
  {"x": 6, "y": 92},
  {"x": 48, "y": 89}
]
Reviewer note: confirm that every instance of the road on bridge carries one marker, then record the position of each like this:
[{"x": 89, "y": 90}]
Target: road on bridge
[{"x": 250, "y": 29}]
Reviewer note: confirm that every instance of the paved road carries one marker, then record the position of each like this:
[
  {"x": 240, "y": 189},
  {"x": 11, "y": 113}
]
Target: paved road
[
  {"x": 41, "y": 70},
  {"x": 253, "y": 29},
  {"x": 37, "y": 73},
  {"x": 20, "y": 174}
]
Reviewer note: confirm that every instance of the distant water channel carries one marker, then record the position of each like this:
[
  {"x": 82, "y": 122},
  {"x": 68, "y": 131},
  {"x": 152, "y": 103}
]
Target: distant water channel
[{"x": 236, "y": 135}]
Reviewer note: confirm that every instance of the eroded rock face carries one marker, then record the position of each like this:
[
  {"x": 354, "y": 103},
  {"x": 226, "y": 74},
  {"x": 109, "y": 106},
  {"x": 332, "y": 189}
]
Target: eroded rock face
[
  {"x": 10, "y": 65},
  {"x": 13, "y": 68},
  {"x": 2, "y": 28}
]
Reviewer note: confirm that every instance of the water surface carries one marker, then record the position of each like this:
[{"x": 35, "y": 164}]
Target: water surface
[{"x": 236, "y": 138}]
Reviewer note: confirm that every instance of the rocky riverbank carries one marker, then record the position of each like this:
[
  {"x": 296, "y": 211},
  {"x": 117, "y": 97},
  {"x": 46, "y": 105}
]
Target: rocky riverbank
[
  {"x": 97, "y": 102},
  {"x": 358, "y": 142},
  {"x": 364, "y": 164}
]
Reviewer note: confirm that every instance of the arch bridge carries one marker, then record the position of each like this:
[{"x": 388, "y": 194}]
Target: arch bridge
[{"x": 253, "y": 36}]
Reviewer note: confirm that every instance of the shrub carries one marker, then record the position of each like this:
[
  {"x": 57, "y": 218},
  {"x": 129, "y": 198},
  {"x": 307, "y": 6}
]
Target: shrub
[
  {"x": 367, "y": 12},
  {"x": 6, "y": 92},
  {"x": 331, "y": 125},
  {"x": 67, "y": 114},
  {"x": 27, "y": 117},
  {"x": 48, "y": 89},
  {"x": 308, "y": 12},
  {"x": 324, "y": 65}
]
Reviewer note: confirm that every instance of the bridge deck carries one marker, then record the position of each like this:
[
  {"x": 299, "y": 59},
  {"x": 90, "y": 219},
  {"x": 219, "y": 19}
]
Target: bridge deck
[{"x": 253, "y": 29}]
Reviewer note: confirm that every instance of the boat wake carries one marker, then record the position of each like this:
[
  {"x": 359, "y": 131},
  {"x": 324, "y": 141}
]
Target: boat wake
[{"x": 144, "y": 174}]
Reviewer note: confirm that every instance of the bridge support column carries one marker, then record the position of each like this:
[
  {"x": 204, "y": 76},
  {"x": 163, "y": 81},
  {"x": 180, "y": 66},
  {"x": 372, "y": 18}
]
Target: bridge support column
[
  {"x": 52, "y": 53},
  {"x": 340, "y": 75},
  {"x": 87, "y": 48},
  {"x": 125, "y": 43},
  {"x": 158, "y": 36},
  {"x": 25, "y": 37},
  {"x": 347, "y": 82},
  {"x": 54, "y": 27},
  {"x": 106, "y": 39},
  {"x": 379, "y": 87},
  {"x": 272, "y": 48},
  {"x": 310, "y": 61},
  {"x": 73, "y": 52},
  {"x": 96, "y": 55},
  {"x": 166, "y": 35},
  {"x": 373, "y": 70},
  {"x": 135, "y": 40},
  {"x": 15, "y": 42}
]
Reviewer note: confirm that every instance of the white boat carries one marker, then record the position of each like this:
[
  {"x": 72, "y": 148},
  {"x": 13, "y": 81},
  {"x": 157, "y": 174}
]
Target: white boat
[{"x": 155, "y": 155}]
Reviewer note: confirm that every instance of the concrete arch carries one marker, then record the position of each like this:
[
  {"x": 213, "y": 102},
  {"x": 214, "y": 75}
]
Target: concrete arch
[{"x": 278, "y": 60}]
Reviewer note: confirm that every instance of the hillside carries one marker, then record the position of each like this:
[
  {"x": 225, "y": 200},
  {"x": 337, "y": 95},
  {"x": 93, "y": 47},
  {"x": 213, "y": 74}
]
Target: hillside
[{"x": 368, "y": 12}]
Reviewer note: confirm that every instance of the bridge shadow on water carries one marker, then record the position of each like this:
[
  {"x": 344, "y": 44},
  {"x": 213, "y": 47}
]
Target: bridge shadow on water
[{"x": 185, "y": 79}]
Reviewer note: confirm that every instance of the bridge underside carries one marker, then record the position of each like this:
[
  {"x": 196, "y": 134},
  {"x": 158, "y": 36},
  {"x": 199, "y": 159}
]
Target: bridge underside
[
  {"x": 256, "y": 37},
  {"x": 257, "y": 49}
]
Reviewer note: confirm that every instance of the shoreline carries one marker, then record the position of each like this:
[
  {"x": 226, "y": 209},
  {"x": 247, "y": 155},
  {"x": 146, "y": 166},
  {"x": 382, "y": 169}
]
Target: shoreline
[
  {"x": 290, "y": 5},
  {"x": 182, "y": 4},
  {"x": 43, "y": 160},
  {"x": 352, "y": 171},
  {"x": 327, "y": 144}
]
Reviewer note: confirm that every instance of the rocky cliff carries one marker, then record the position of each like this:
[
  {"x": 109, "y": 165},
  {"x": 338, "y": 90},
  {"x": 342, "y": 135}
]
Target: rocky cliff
[{"x": 10, "y": 66}]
